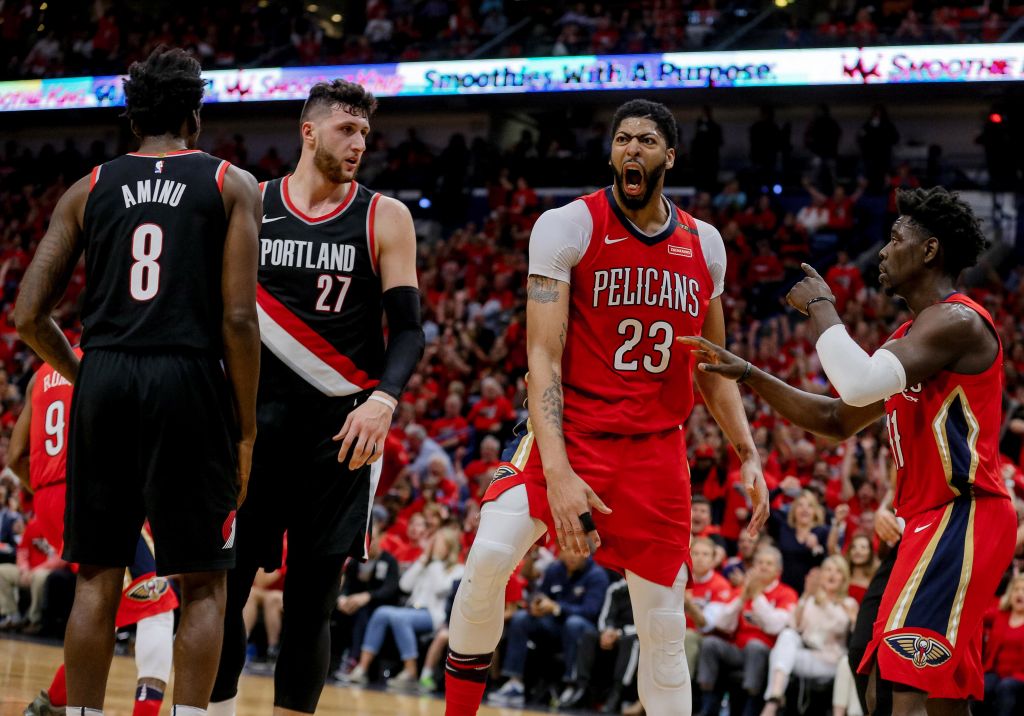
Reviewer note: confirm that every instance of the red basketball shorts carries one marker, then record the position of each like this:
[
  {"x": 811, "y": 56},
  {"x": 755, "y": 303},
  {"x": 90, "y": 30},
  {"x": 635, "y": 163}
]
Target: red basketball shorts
[
  {"x": 644, "y": 479},
  {"x": 929, "y": 628},
  {"x": 144, "y": 593}
]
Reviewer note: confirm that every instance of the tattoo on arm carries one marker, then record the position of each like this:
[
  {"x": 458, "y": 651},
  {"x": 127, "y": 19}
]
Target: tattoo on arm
[
  {"x": 541, "y": 289},
  {"x": 551, "y": 403}
]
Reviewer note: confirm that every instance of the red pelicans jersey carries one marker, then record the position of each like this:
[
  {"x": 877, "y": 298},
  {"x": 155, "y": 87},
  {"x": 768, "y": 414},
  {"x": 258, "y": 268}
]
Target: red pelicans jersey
[
  {"x": 631, "y": 295},
  {"x": 944, "y": 433},
  {"x": 48, "y": 431}
]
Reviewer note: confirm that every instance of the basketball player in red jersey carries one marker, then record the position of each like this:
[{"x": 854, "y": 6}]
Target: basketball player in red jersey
[
  {"x": 38, "y": 450},
  {"x": 614, "y": 277},
  {"x": 938, "y": 380}
]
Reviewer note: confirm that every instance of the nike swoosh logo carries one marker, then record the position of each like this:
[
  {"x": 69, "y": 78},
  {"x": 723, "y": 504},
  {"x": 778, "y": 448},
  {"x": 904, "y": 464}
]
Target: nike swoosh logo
[
  {"x": 268, "y": 221},
  {"x": 922, "y": 528},
  {"x": 609, "y": 240}
]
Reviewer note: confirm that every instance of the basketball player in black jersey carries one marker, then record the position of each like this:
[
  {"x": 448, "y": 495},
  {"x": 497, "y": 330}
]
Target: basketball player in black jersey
[
  {"x": 335, "y": 258},
  {"x": 157, "y": 429}
]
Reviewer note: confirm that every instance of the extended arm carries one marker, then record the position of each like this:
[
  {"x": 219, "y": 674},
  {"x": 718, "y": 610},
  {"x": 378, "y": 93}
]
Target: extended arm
[
  {"x": 723, "y": 400},
  {"x": 47, "y": 278},
  {"x": 240, "y": 325},
  {"x": 366, "y": 427}
]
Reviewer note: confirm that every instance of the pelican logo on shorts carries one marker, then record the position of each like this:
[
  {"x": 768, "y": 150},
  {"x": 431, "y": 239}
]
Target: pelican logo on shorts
[
  {"x": 149, "y": 590},
  {"x": 922, "y": 650},
  {"x": 503, "y": 470},
  {"x": 159, "y": 168},
  {"x": 227, "y": 531}
]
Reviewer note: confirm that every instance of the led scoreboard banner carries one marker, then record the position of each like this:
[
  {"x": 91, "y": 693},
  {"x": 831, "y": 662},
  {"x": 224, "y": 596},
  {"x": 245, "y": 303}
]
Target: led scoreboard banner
[{"x": 679, "y": 70}]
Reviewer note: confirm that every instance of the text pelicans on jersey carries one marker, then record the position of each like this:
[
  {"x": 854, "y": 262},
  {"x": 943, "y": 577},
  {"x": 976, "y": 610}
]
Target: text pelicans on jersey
[{"x": 646, "y": 286}]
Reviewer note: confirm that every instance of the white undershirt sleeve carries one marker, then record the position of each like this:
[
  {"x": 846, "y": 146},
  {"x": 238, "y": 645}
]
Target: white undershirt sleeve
[
  {"x": 714, "y": 253},
  {"x": 559, "y": 240},
  {"x": 859, "y": 379}
]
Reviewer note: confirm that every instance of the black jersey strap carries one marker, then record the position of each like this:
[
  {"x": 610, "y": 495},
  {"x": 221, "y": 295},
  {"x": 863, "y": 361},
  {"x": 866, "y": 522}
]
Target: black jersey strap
[{"x": 405, "y": 338}]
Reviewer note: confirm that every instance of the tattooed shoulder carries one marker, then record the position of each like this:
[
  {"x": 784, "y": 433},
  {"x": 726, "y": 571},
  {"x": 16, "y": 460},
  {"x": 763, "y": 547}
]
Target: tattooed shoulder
[{"x": 541, "y": 289}]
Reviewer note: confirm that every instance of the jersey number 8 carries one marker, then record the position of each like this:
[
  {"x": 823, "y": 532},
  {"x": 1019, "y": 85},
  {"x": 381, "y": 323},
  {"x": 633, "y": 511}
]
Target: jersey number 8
[{"x": 147, "y": 245}]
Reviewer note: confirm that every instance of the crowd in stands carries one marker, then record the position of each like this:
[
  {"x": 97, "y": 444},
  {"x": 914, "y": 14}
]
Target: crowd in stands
[
  {"x": 104, "y": 37},
  {"x": 766, "y": 614}
]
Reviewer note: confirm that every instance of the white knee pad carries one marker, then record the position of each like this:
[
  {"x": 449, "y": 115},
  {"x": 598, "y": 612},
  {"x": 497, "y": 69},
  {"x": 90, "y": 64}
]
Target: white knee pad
[
  {"x": 154, "y": 646},
  {"x": 667, "y": 632},
  {"x": 487, "y": 572}
]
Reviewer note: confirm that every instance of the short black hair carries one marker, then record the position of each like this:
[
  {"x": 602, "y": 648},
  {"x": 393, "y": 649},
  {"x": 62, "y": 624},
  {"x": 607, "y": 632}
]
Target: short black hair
[
  {"x": 949, "y": 219},
  {"x": 351, "y": 97},
  {"x": 700, "y": 500},
  {"x": 654, "y": 111},
  {"x": 163, "y": 91}
]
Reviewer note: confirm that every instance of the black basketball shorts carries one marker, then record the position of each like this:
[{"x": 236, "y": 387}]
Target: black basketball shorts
[
  {"x": 298, "y": 485},
  {"x": 152, "y": 436}
]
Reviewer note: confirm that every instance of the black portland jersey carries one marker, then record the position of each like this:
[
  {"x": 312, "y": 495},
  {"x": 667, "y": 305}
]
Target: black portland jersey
[
  {"x": 153, "y": 234},
  {"x": 319, "y": 293}
]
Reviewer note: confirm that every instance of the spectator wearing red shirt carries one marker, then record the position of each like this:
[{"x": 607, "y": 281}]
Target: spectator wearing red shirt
[
  {"x": 845, "y": 280},
  {"x": 451, "y": 431},
  {"x": 706, "y": 594},
  {"x": 36, "y": 558},
  {"x": 754, "y": 618},
  {"x": 478, "y": 473},
  {"x": 489, "y": 415},
  {"x": 406, "y": 547},
  {"x": 1004, "y": 653},
  {"x": 863, "y": 565}
]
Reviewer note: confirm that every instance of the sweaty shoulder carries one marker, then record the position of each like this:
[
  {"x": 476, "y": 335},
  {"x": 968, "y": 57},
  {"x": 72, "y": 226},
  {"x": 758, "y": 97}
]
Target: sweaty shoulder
[
  {"x": 240, "y": 184},
  {"x": 559, "y": 240},
  {"x": 714, "y": 253}
]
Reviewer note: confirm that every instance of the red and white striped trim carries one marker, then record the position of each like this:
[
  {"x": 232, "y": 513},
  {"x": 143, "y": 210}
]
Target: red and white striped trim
[
  {"x": 94, "y": 176},
  {"x": 180, "y": 152},
  {"x": 305, "y": 351},
  {"x": 335, "y": 212},
  {"x": 371, "y": 238},
  {"x": 222, "y": 169},
  {"x": 263, "y": 190}
]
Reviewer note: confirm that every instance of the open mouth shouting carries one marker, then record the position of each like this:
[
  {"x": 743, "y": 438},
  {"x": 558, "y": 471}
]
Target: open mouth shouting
[{"x": 633, "y": 178}]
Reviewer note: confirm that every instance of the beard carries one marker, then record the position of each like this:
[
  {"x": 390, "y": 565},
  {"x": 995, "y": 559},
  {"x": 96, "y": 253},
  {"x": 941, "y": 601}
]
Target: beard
[
  {"x": 328, "y": 165},
  {"x": 635, "y": 203}
]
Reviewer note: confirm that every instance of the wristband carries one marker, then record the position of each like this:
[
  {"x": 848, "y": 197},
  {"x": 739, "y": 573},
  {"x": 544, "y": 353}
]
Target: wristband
[
  {"x": 388, "y": 401},
  {"x": 746, "y": 373},
  {"x": 831, "y": 300}
]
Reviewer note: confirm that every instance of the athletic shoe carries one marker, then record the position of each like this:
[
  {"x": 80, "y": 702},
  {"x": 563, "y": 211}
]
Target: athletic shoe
[
  {"x": 42, "y": 706},
  {"x": 356, "y": 677},
  {"x": 403, "y": 682},
  {"x": 427, "y": 684},
  {"x": 511, "y": 695}
]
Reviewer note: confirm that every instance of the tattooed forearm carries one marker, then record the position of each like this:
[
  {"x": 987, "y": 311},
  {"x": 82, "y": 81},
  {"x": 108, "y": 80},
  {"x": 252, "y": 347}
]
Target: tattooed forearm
[
  {"x": 541, "y": 289},
  {"x": 551, "y": 403}
]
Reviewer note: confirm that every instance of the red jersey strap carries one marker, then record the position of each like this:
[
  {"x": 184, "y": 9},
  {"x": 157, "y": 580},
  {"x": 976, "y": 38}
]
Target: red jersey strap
[
  {"x": 222, "y": 169},
  {"x": 94, "y": 176}
]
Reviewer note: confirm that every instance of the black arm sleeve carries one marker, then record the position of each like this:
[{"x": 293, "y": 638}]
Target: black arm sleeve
[{"x": 405, "y": 338}]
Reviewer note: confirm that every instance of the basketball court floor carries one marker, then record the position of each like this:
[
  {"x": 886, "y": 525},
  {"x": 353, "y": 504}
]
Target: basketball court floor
[{"x": 27, "y": 666}]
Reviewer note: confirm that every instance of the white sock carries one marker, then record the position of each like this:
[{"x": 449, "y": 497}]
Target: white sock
[
  {"x": 82, "y": 711},
  {"x": 222, "y": 708},
  {"x": 187, "y": 711}
]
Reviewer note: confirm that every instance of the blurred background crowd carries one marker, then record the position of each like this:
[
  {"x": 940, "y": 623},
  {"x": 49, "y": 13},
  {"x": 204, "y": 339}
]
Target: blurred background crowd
[{"x": 104, "y": 36}]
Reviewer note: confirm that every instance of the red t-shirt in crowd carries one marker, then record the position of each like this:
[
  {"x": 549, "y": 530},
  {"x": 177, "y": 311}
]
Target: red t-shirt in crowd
[
  {"x": 713, "y": 588},
  {"x": 780, "y": 596},
  {"x": 485, "y": 413},
  {"x": 1004, "y": 651}
]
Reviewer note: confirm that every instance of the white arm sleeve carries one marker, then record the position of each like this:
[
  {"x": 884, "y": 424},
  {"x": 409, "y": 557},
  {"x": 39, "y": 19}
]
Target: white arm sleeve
[
  {"x": 859, "y": 379},
  {"x": 559, "y": 239},
  {"x": 714, "y": 253}
]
